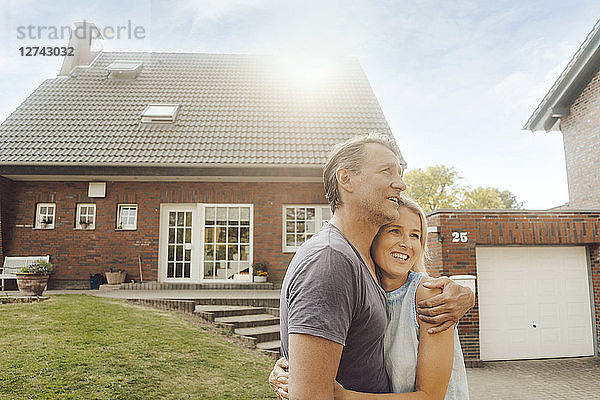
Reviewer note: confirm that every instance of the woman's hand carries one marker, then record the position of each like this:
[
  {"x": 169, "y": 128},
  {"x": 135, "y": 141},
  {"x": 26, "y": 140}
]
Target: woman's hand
[{"x": 278, "y": 379}]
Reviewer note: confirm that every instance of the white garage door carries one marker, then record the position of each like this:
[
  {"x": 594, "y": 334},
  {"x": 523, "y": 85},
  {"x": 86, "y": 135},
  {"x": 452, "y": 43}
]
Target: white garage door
[{"x": 534, "y": 302}]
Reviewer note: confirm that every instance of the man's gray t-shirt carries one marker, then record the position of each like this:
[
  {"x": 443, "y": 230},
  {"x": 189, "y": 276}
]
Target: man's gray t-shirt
[{"x": 329, "y": 292}]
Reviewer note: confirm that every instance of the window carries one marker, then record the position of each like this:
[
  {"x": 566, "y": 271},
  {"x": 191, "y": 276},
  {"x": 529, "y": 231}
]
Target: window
[
  {"x": 124, "y": 66},
  {"x": 124, "y": 69},
  {"x": 227, "y": 241},
  {"x": 44, "y": 216},
  {"x": 86, "y": 216},
  {"x": 127, "y": 216},
  {"x": 160, "y": 113},
  {"x": 300, "y": 223}
]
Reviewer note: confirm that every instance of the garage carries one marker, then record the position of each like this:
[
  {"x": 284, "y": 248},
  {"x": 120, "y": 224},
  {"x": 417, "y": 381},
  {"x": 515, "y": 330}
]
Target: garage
[{"x": 534, "y": 302}]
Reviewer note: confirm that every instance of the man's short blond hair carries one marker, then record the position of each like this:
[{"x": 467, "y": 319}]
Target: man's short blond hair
[{"x": 350, "y": 155}]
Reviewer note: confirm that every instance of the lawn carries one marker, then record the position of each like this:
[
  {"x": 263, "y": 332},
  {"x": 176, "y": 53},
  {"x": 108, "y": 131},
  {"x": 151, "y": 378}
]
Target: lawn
[{"x": 84, "y": 347}]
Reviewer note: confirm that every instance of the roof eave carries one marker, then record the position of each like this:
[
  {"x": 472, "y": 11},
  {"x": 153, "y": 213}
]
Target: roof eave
[
  {"x": 576, "y": 75},
  {"x": 224, "y": 170}
]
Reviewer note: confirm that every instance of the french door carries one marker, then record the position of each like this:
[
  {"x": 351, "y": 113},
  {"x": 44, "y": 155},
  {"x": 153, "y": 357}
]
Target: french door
[
  {"x": 205, "y": 242},
  {"x": 178, "y": 234}
]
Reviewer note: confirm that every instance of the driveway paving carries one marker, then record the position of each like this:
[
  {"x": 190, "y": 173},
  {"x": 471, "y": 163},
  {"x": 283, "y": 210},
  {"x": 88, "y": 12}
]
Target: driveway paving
[{"x": 567, "y": 378}]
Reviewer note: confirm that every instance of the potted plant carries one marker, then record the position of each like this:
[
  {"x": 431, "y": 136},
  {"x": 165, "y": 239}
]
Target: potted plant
[
  {"x": 115, "y": 276},
  {"x": 32, "y": 279},
  {"x": 83, "y": 223},
  {"x": 45, "y": 222},
  {"x": 260, "y": 271}
]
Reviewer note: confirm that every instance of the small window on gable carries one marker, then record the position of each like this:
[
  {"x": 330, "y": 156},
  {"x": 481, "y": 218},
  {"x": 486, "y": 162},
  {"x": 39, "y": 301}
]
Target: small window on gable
[
  {"x": 86, "y": 216},
  {"x": 44, "y": 216},
  {"x": 124, "y": 68},
  {"x": 127, "y": 216},
  {"x": 300, "y": 223},
  {"x": 160, "y": 113}
]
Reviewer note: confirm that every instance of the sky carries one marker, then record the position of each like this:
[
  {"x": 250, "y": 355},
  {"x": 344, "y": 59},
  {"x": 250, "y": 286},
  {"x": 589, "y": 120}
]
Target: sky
[{"x": 456, "y": 80}]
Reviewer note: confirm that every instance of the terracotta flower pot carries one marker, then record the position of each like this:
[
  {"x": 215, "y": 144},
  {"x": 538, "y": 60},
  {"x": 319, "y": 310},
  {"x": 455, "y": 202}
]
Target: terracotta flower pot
[
  {"x": 31, "y": 284},
  {"x": 115, "y": 278}
]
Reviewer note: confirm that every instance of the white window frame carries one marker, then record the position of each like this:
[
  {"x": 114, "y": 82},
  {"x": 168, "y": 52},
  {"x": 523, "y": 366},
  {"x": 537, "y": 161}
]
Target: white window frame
[
  {"x": 319, "y": 220},
  {"x": 160, "y": 113},
  {"x": 40, "y": 217},
  {"x": 88, "y": 217},
  {"x": 126, "y": 226},
  {"x": 124, "y": 66},
  {"x": 203, "y": 207}
]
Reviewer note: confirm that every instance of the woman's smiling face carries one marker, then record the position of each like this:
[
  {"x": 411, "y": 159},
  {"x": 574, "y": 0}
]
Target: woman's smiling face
[{"x": 397, "y": 246}]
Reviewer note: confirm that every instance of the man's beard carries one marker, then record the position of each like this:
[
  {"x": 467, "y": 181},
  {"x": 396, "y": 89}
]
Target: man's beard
[{"x": 377, "y": 214}]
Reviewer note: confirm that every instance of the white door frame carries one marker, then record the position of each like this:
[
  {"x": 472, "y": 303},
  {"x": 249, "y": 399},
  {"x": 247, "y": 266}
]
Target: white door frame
[
  {"x": 165, "y": 208},
  {"x": 197, "y": 245},
  {"x": 202, "y": 208}
]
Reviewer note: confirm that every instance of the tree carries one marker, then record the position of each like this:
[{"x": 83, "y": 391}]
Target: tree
[
  {"x": 438, "y": 187},
  {"x": 510, "y": 200},
  {"x": 481, "y": 198},
  {"x": 434, "y": 187}
]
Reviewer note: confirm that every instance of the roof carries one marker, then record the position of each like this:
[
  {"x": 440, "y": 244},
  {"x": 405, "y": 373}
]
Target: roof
[
  {"x": 234, "y": 110},
  {"x": 571, "y": 82}
]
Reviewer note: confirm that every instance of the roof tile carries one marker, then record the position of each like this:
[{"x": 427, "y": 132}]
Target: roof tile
[{"x": 235, "y": 109}]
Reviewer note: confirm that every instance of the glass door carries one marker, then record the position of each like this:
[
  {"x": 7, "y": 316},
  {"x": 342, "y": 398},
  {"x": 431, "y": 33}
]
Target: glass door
[
  {"x": 177, "y": 244},
  {"x": 227, "y": 242}
]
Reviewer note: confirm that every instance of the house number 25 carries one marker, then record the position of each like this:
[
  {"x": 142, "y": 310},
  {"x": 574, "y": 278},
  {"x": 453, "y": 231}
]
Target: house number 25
[{"x": 460, "y": 237}]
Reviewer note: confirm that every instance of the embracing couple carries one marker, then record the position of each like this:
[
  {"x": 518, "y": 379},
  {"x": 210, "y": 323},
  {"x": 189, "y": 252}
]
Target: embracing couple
[{"x": 360, "y": 318}]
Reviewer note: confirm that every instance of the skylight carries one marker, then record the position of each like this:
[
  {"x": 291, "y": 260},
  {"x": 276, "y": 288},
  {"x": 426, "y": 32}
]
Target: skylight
[
  {"x": 160, "y": 113},
  {"x": 124, "y": 68}
]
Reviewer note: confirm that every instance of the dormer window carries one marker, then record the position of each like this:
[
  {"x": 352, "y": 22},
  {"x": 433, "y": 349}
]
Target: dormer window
[
  {"x": 160, "y": 113},
  {"x": 124, "y": 69}
]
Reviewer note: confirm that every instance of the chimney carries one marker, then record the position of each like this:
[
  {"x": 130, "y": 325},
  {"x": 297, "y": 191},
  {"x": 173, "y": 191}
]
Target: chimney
[{"x": 84, "y": 39}]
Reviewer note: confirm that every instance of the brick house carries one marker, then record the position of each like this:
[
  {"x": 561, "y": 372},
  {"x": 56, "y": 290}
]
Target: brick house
[
  {"x": 538, "y": 272},
  {"x": 195, "y": 165}
]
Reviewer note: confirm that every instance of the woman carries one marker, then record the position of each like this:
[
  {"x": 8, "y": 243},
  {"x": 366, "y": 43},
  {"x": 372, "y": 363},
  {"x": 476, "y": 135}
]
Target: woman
[{"x": 420, "y": 365}]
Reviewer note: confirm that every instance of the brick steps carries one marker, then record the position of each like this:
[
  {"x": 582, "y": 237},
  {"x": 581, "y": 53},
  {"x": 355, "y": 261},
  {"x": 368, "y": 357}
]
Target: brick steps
[
  {"x": 270, "y": 348},
  {"x": 167, "y": 304},
  {"x": 272, "y": 345},
  {"x": 211, "y": 312},
  {"x": 246, "y": 321},
  {"x": 197, "y": 286},
  {"x": 256, "y": 327},
  {"x": 260, "y": 333},
  {"x": 267, "y": 302}
]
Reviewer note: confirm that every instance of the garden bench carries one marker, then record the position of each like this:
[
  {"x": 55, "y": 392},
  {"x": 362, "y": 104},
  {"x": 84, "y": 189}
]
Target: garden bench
[{"x": 13, "y": 265}]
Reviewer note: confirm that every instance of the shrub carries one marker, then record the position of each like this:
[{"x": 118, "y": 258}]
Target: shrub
[{"x": 38, "y": 267}]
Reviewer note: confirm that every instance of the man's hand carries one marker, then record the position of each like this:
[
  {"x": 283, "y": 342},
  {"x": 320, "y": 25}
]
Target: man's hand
[{"x": 445, "y": 309}]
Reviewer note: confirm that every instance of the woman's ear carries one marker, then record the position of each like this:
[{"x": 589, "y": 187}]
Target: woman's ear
[{"x": 344, "y": 179}]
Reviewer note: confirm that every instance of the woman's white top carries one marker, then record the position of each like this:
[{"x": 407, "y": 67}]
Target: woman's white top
[{"x": 401, "y": 344}]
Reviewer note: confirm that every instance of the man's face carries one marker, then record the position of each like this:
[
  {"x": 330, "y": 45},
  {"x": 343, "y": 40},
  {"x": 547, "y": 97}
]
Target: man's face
[{"x": 379, "y": 184}]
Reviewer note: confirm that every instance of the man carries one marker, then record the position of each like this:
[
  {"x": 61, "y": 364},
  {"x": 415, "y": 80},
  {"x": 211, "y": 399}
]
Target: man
[{"x": 332, "y": 308}]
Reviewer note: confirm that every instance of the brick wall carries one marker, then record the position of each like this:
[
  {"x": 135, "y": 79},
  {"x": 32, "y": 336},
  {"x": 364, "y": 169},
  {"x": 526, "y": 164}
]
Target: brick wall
[
  {"x": 5, "y": 191},
  {"x": 79, "y": 253},
  {"x": 502, "y": 229},
  {"x": 581, "y": 136}
]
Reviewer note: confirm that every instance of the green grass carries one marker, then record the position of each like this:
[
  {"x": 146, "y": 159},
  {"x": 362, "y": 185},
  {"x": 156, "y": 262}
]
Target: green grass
[{"x": 83, "y": 347}]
